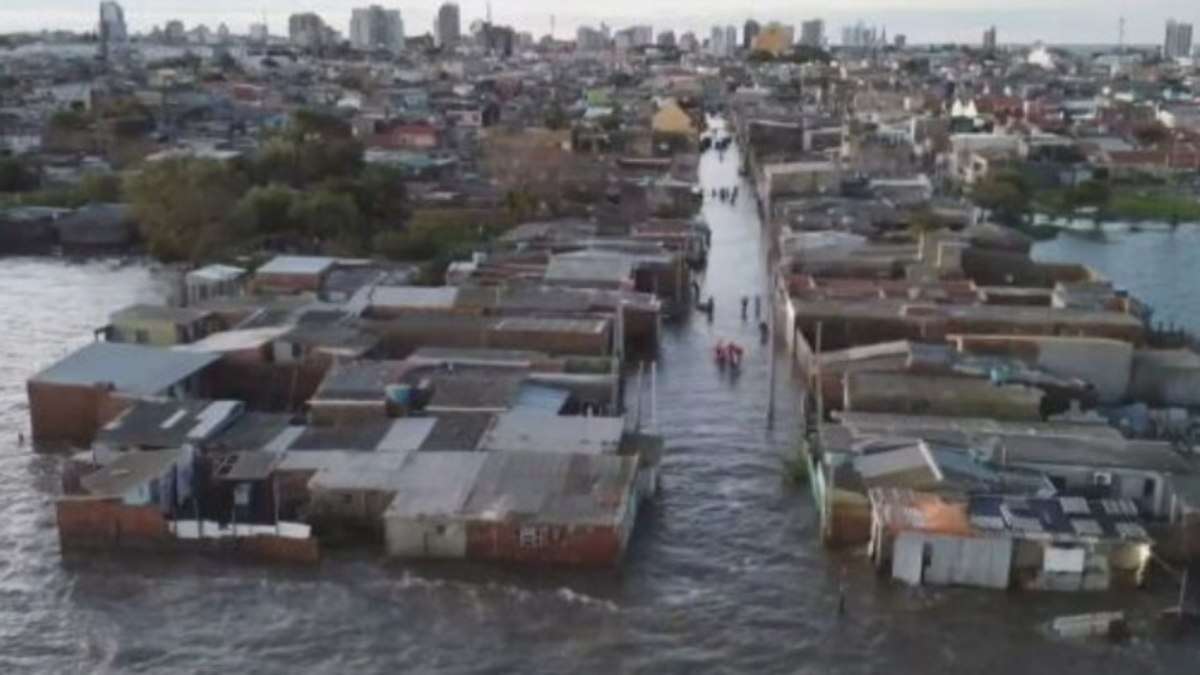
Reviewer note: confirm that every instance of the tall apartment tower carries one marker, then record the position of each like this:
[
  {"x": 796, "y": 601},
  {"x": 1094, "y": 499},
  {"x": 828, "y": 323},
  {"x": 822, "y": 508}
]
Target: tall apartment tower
[
  {"x": 448, "y": 27},
  {"x": 1178, "y": 42}
]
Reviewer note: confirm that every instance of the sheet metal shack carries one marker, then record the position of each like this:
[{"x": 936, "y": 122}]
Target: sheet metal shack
[
  {"x": 532, "y": 507},
  {"x": 71, "y": 400},
  {"x": 1053, "y": 543}
]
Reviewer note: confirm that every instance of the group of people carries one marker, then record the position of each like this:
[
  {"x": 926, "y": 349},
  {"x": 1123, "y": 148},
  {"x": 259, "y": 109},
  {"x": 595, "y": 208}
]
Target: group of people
[{"x": 728, "y": 354}]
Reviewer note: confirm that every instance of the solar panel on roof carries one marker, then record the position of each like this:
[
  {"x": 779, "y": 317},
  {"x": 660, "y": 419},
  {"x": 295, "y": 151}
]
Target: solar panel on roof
[
  {"x": 1087, "y": 527},
  {"x": 1131, "y": 531},
  {"x": 1074, "y": 505}
]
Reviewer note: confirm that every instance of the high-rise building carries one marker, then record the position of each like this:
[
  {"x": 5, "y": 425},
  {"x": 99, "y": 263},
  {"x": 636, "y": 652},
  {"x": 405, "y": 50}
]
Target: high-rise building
[
  {"x": 223, "y": 34},
  {"x": 989, "y": 39},
  {"x": 731, "y": 39},
  {"x": 377, "y": 28},
  {"x": 1178, "y": 42},
  {"x": 716, "y": 41},
  {"x": 448, "y": 27},
  {"x": 309, "y": 31},
  {"x": 642, "y": 35},
  {"x": 259, "y": 32},
  {"x": 812, "y": 33},
  {"x": 750, "y": 31},
  {"x": 589, "y": 39},
  {"x": 666, "y": 39},
  {"x": 901, "y": 41},
  {"x": 113, "y": 34},
  {"x": 859, "y": 36},
  {"x": 688, "y": 42}
]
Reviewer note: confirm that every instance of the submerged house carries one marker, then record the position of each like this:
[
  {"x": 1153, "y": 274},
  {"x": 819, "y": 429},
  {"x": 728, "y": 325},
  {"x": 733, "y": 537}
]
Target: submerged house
[
  {"x": 161, "y": 326},
  {"x": 532, "y": 507},
  {"x": 71, "y": 400},
  {"x": 999, "y": 542}
]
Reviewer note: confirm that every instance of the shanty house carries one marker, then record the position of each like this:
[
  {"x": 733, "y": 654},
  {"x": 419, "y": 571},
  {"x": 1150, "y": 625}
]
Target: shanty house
[
  {"x": 293, "y": 274},
  {"x": 75, "y": 397},
  {"x": 160, "y": 325}
]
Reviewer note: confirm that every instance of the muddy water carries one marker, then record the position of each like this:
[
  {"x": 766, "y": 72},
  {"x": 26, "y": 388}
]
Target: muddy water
[{"x": 724, "y": 574}]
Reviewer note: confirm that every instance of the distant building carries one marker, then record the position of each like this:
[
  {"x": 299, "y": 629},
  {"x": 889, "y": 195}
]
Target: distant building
[
  {"x": 113, "y": 33},
  {"x": 448, "y": 27},
  {"x": 688, "y": 42},
  {"x": 1178, "y": 42},
  {"x": 175, "y": 33},
  {"x": 634, "y": 36},
  {"x": 223, "y": 34},
  {"x": 775, "y": 39},
  {"x": 589, "y": 39},
  {"x": 716, "y": 41},
  {"x": 731, "y": 39},
  {"x": 750, "y": 31},
  {"x": 309, "y": 31},
  {"x": 989, "y": 39},
  {"x": 901, "y": 41},
  {"x": 666, "y": 39},
  {"x": 812, "y": 33},
  {"x": 377, "y": 28},
  {"x": 859, "y": 36},
  {"x": 259, "y": 32}
]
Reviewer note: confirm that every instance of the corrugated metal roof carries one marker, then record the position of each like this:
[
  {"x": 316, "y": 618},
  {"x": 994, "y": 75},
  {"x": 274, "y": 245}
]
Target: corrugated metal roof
[
  {"x": 133, "y": 369},
  {"x": 216, "y": 273},
  {"x": 297, "y": 264},
  {"x": 415, "y": 297},
  {"x": 526, "y": 431},
  {"x": 552, "y": 488},
  {"x": 177, "y": 315},
  {"x": 545, "y": 325},
  {"x": 435, "y": 483},
  {"x": 609, "y": 269},
  {"x": 406, "y": 434},
  {"x": 129, "y": 470}
]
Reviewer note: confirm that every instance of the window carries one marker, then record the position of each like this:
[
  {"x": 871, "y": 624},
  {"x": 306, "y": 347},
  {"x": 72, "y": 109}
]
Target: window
[
  {"x": 532, "y": 537},
  {"x": 1148, "y": 488}
]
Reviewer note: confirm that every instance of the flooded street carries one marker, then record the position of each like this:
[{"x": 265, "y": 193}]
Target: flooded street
[
  {"x": 1160, "y": 266},
  {"x": 725, "y": 573}
]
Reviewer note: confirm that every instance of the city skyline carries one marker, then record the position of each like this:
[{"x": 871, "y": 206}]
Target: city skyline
[{"x": 923, "y": 21}]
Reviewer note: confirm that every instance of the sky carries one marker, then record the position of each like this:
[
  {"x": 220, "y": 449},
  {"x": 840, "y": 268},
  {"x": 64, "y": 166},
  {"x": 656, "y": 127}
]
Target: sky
[{"x": 1017, "y": 21}]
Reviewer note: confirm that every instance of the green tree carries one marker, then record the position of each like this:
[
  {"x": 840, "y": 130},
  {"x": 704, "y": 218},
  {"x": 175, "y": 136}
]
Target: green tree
[
  {"x": 265, "y": 210},
  {"x": 182, "y": 206},
  {"x": 1006, "y": 195},
  {"x": 329, "y": 216},
  {"x": 99, "y": 187},
  {"x": 556, "y": 117},
  {"x": 17, "y": 175}
]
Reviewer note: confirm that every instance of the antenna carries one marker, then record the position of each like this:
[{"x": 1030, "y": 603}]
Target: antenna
[
  {"x": 489, "y": 12},
  {"x": 551, "y": 26}
]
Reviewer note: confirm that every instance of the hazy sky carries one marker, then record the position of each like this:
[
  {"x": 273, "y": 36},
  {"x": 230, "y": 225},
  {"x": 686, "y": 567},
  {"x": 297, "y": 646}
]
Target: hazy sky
[{"x": 1056, "y": 21}]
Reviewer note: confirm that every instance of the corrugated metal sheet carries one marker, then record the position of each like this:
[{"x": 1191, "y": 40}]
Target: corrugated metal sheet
[
  {"x": 130, "y": 368},
  {"x": 553, "y": 488},
  {"x": 526, "y": 431},
  {"x": 297, "y": 264},
  {"x": 434, "y": 483}
]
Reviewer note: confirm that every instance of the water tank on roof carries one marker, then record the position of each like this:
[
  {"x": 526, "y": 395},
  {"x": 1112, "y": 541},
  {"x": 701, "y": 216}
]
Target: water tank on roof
[{"x": 399, "y": 394}]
